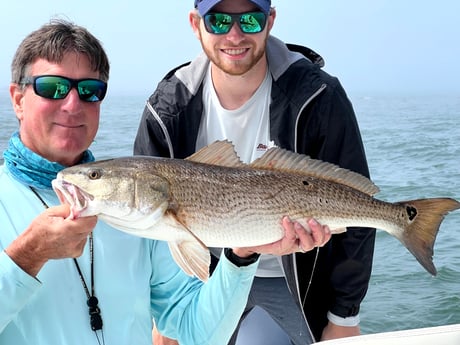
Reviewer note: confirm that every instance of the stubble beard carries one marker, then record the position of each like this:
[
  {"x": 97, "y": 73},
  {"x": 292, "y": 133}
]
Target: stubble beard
[{"x": 235, "y": 68}]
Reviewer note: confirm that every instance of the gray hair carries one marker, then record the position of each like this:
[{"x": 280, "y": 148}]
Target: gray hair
[{"x": 52, "y": 41}]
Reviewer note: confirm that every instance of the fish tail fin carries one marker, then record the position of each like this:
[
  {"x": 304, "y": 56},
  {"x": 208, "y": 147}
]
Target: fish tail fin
[{"x": 425, "y": 217}]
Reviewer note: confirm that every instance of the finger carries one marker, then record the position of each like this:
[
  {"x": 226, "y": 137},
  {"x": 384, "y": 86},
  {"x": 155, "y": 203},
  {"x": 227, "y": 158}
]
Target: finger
[
  {"x": 305, "y": 238},
  {"x": 289, "y": 230},
  {"x": 327, "y": 235},
  {"x": 78, "y": 249},
  {"x": 291, "y": 242},
  {"x": 73, "y": 231},
  {"x": 320, "y": 233},
  {"x": 317, "y": 231},
  {"x": 61, "y": 211}
]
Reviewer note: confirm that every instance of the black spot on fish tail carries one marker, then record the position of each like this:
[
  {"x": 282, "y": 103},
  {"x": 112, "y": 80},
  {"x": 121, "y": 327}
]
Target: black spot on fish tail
[
  {"x": 411, "y": 212},
  {"x": 419, "y": 235}
]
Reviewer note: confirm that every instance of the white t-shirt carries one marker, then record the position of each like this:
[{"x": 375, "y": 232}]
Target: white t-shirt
[{"x": 248, "y": 128}]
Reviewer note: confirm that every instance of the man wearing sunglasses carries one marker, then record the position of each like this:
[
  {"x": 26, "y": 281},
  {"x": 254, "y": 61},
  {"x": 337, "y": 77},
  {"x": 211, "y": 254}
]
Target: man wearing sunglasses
[
  {"x": 256, "y": 91},
  {"x": 67, "y": 281}
]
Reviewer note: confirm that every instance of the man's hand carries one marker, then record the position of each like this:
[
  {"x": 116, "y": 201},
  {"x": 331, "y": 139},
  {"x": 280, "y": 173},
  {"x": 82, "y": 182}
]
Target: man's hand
[
  {"x": 159, "y": 339},
  {"x": 296, "y": 239},
  {"x": 333, "y": 331},
  {"x": 51, "y": 235}
]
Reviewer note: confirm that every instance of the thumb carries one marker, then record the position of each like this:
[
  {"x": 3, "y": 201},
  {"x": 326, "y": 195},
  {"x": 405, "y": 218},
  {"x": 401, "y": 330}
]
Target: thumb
[{"x": 60, "y": 211}]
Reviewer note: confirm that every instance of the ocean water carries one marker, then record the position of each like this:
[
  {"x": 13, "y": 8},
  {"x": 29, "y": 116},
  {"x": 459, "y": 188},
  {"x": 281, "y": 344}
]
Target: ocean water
[{"x": 413, "y": 149}]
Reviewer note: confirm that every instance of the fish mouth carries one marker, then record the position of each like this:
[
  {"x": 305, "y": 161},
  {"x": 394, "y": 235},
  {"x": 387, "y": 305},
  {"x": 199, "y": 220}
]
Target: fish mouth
[{"x": 72, "y": 195}]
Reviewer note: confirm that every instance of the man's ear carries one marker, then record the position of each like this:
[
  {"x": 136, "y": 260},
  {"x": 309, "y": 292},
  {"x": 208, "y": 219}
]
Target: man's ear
[
  {"x": 195, "y": 20},
  {"x": 271, "y": 19},
  {"x": 17, "y": 97}
]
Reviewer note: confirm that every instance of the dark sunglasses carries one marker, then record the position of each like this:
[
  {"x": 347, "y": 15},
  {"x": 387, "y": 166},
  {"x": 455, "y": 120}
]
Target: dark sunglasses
[
  {"x": 58, "y": 87},
  {"x": 221, "y": 23}
]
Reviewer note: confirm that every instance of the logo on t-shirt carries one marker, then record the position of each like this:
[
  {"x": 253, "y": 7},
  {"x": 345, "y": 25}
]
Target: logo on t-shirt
[{"x": 262, "y": 147}]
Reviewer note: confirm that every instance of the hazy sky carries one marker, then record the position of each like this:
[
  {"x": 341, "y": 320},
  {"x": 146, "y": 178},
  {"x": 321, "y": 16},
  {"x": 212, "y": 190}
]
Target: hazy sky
[{"x": 391, "y": 46}]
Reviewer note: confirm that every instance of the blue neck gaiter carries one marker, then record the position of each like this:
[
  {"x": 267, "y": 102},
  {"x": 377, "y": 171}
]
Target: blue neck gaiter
[{"x": 30, "y": 168}]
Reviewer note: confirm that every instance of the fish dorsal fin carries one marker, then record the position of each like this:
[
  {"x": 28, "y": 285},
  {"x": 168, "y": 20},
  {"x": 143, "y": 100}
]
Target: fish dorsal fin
[
  {"x": 288, "y": 161},
  {"x": 218, "y": 153}
]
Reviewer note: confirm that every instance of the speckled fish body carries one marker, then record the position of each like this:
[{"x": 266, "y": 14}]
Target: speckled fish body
[{"x": 211, "y": 199}]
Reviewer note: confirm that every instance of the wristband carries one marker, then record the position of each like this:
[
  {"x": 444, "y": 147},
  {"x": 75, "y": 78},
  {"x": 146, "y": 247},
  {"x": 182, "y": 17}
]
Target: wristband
[{"x": 238, "y": 261}]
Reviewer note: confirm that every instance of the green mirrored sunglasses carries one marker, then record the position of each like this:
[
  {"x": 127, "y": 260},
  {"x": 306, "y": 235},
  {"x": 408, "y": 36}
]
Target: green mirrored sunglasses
[
  {"x": 58, "y": 87},
  {"x": 248, "y": 22}
]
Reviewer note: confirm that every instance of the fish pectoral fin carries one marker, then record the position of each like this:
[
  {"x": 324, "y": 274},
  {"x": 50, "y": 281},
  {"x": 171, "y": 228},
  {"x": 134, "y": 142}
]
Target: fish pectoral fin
[
  {"x": 189, "y": 252},
  {"x": 192, "y": 257}
]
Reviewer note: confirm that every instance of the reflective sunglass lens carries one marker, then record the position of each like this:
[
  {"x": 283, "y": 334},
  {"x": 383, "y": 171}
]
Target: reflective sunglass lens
[
  {"x": 218, "y": 23},
  {"x": 91, "y": 90},
  {"x": 52, "y": 87},
  {"x": 252, "y": 22}
]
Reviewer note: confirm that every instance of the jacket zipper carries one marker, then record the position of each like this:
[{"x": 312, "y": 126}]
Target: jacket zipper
[
  {"x": 294, "y": 263},
  {"x": 163, "y": 128},
  {"x": 312, "y": 97}
]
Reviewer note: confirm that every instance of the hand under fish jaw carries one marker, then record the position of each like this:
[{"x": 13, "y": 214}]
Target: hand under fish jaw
[
  {"x": 296, "y": 239},
  {"x": 73, "y": 196}
]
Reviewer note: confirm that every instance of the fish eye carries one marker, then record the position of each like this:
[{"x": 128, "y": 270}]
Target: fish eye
[{"x": 94, "y": 174}]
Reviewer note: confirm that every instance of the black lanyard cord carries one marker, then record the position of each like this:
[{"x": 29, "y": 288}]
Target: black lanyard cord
[
  {"x": 92, "y": 302},
  {"x": 92, "y": 269}
]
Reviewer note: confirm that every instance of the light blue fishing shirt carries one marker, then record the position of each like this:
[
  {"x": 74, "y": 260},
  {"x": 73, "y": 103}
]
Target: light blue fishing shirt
[{"x": 135, "y": 280}]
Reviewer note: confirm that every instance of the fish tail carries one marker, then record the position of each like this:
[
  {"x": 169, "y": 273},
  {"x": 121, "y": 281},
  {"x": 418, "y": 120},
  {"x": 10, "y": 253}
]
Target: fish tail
[{"x": 425, "y": 217}]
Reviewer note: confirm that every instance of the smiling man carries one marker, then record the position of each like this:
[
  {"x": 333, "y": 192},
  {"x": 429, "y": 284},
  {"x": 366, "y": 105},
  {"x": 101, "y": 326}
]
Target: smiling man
[{"x": 258, "y": 92}]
